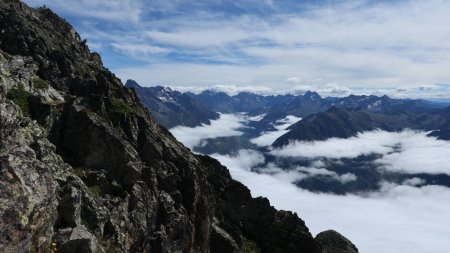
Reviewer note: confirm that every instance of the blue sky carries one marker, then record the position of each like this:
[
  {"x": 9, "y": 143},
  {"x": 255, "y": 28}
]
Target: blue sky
[{"x": 335, "y": 47}]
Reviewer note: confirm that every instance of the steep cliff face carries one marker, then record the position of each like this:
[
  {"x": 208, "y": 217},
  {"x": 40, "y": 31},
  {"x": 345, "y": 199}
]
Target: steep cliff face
[{"x": 84, "y": 168}]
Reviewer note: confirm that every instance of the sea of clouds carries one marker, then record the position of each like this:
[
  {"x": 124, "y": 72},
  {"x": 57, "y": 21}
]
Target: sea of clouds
[{"x": 397, "y": 218}]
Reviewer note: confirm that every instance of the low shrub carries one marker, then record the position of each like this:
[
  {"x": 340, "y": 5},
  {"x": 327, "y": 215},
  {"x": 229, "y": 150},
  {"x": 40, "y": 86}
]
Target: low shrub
[
  {"x": 119, "y": 106},
  {"x": 20, "y": 96},
  {"x": 40, "y": 83}
]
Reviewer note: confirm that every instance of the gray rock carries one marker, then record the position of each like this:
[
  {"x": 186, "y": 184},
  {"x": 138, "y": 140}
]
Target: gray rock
[
  {"x": 333, "y": 242},
  {"x": 80, "y": 241}
]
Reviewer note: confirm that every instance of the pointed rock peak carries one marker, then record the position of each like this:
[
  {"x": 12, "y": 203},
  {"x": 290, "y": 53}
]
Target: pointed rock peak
[
  {"x": 312, "y": 95},
  {"x": 208, "y": 92},
  {"x": 385, "y": 97},
  {"x": 132, "y": 84},
  {"x": 163, "y": 88}
]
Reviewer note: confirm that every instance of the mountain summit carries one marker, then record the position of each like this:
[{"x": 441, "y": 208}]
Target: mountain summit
[{"x": 85, "y": 168}]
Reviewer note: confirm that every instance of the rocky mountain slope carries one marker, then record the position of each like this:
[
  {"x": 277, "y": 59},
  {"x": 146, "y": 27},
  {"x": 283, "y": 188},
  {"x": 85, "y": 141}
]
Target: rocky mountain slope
[
  {"x": 172, "y": 108},
  {"x": 85, "y": 168},
  {"x": 438, "y": 122},
  {"x": 341, "y": 123},
  {"x": 344, "y": 123}
]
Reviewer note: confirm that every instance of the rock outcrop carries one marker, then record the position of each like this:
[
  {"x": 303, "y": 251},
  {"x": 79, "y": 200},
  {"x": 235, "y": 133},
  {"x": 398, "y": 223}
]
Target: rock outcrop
[
  {"x": 84, "y": 168},
  {"x": 333, "y": 242}
]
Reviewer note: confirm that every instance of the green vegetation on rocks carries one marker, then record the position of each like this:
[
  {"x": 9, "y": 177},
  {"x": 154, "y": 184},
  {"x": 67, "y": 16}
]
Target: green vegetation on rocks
[
  {"x": 250, "y": 247},
  {"x": 120, "y": 107},
  {"x": 20, "y": 96},
  {"x": 40, "y": 83}
]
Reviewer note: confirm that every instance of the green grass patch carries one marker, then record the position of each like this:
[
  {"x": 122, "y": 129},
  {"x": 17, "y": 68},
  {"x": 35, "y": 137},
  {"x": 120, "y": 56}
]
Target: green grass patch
[
  {"x": 95, "y": 190},
  {"x": 120, "y": 107},
  {"x": 250, "y": 246},
  {"x": 20, "y": 96},
  {"x": 40, "y": 83}
]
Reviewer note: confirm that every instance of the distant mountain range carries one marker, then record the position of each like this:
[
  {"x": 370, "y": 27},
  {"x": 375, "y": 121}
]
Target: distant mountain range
[
  {"x": 172, "y": 108},
  {"x": 322, "y": 117}
]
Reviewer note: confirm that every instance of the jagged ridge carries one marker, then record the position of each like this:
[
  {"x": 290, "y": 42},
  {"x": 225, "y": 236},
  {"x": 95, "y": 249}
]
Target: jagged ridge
[{"x": 91, "y": 171}]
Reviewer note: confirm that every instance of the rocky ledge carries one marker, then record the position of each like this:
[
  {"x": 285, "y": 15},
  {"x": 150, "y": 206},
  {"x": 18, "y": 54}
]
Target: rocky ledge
[{"x": 84, "y": 168}]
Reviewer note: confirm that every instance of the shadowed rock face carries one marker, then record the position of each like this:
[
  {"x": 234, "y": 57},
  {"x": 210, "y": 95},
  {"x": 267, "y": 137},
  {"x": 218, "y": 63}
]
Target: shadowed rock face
[{"x": 91, "y": 171}]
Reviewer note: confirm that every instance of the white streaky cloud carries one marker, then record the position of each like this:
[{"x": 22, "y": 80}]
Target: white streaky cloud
[
  {"x": 139, "y": 49},
  {"x": 283, "y": 124},
  {"x": 257, "y": 117},
  {"x": 267, "y": 138},
  {"x": 407, "y": 151},
  {"x": 399, "y": 218},
  {"x": 226, "y": 125},
  {"x": 300, "y": 173},
  {"x": 245, "y": 159},
  {"x": 116, "y": 11},
  {"x": 379, "y": 142},
  {"x": 293, "y": 44},
  {"x": 344, "y": 178},
  {"x": 419, "y": 153},
  {"x": 199, "y": 38},
  {"x": 415, "y": 181}
]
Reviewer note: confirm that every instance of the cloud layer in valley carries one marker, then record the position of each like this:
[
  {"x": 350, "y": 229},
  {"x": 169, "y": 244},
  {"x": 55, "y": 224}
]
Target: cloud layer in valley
[
  {"x": 407, "y": 151},
  {"x": 267, "y": 138},
  {"x": 226, "y": 125},
  {"x": 406, "y": 217},
  {"x": 335, "y": 47},
  {"x": 399, "y": 218}
]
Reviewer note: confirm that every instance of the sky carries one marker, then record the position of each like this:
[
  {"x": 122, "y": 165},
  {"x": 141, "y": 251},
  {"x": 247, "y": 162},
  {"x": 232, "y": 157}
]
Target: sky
[
  {"x": 335, "y": 47},
  {"x": 411, "y": 216}
]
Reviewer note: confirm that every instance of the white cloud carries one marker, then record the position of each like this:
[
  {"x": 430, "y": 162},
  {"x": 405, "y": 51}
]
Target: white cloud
[
  {"x": 407, "y": 151},
  {"x": 415, "y": 181},
  {"x": 344, "y": 178},
  {"x": 199, "y": 38},
  {"x": 375, "y": 45},
  {"x": 419, "y": 153},
  {"x": 267, "y": 138},
  {"x": 379, "y": 142},
  {"x": 257, "y": 117},
  {"x": 139, "y": 49},
  {"x": 293, "y": 79},
  {"x": 245, "y": 159},
  {"x": 120, "y": 11},
  {"x": 400, "y": 218},
  {"x": 226, "y": 125}
]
